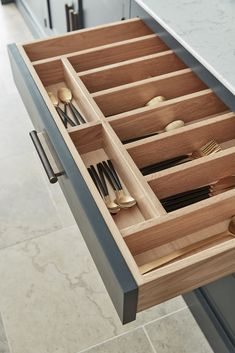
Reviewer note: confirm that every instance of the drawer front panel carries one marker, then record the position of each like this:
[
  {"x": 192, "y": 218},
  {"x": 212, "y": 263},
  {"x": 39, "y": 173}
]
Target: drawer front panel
[{"x": 116, "y": 275}]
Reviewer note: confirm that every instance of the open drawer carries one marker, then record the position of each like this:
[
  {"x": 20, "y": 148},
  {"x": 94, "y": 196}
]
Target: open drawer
[{"x": 113, "y": 71}]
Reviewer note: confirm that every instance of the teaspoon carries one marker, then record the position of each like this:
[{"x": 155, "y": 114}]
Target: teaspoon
[
  {"x": 65, "y": 95},
  {"x": 65, "y": 119}
]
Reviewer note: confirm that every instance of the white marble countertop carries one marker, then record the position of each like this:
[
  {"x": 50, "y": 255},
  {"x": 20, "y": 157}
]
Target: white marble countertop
[{"x": 206, "y": 28}]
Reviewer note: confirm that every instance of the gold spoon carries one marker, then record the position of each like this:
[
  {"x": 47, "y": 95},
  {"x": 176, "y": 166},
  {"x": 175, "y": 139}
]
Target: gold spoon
[
  {"x": 123, "y": 200},
  {"x": 65, "y": 95},
  {"x": 65, "y": 119},
  {"x": 103, "y": 190}
]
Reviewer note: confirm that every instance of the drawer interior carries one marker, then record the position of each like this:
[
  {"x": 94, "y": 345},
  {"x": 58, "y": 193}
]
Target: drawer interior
[{"x": 113, "y": 72}]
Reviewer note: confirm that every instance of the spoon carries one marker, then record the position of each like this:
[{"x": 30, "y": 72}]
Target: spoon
[
  {"x": 65, "y": 119},
  {"x": 65, "y": 95},
  {"x": 103, "y": 190},
  {"x": 123, "y": 200}
]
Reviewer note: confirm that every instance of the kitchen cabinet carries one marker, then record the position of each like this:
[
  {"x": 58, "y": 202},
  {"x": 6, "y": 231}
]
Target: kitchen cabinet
[{"x": 95, "y": 13}]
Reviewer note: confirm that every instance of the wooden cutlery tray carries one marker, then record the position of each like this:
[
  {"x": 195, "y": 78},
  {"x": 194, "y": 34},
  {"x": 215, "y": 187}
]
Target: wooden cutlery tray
[{"x": 113, "y": 71}]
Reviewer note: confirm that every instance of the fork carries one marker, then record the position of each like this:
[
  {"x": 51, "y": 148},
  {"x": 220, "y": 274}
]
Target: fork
[{"x": 209, "y": 148}]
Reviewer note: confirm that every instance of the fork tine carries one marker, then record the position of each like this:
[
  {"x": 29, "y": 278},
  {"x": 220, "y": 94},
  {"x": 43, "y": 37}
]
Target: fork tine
[{"x": 209, "y": 148}]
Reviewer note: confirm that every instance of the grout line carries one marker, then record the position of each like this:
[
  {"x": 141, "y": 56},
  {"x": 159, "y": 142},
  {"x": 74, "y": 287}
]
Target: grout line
[
  {"x": 132, "y": 330},
  {"x": 150, "y": 342},
  {"x": 110, "y": 339},
  {"x": 165, "y": 316}
]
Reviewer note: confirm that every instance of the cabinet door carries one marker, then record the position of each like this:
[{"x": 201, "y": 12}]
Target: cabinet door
[
  {"x": 58, "y": 16},
  {"x": 105, "y": 11}
]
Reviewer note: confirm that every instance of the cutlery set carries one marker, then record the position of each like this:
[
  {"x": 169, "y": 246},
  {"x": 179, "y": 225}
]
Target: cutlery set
[
  {"x": 64, "y": 95},
  {"x": 190, "y": 197},
  {"x": 209, "y": 148},
  {"x": 105, "y": 171}
]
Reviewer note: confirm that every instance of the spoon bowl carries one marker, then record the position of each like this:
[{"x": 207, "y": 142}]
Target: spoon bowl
[
  {"x": 53, "y": 99},
  {"x": 65, "y": 95},
  {"x": 111, "y": 205},
  {"x": 123, "y": 200}
]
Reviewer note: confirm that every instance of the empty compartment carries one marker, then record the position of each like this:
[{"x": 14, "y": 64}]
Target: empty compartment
[
  {"x": 184, "y": 141},
  {"x": 94, "y": 146},
  {"x": 148, "y": 120},
  {"x": 137, "y": 95},
  {"x": 173, "y": 251},
  {"x": 54, "y": 76},
  {"x": 85, "y": 39},
  {"x": 131, "y": 71},
  {"x": 117, "y": 52}
]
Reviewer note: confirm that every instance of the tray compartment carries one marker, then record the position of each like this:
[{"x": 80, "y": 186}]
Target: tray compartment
[
  {"x": 131, "y": 71},
  {"x": 136, "y": 95},
  {"x": 193, "y": 175},
  {"x": 189, "y": 108},
  {"x": 117, "y": 52},
  {"x": 95, "y": 145},
  {"x": 183, "y": 141},
  {"x": 85, "y": 39},
  {"x": 54, "y": 75}
]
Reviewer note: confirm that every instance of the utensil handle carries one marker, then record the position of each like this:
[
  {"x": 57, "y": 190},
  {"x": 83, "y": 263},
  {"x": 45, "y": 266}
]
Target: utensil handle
[
  {"x": 78, "y": 115},
  {"x": 181, "y": 204},
  {"x": 65, "y": 116},
  {"x": 102, "y": 185},
  {"x": 133, "y": 139},
  {"x": 95, "y": 182},
  {"x": 186, "y": 195},
  {"x": 111, "y": 177},
  {"x": 52, "y": 176},
  {"x": 103, "y": 172},
  {"x": 113, "y": 171}
]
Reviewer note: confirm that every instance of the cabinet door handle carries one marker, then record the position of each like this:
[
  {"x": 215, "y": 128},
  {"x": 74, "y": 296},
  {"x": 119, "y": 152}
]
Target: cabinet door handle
[
  {"x": 52, "y": 176},
  {"x": 49, "y": 14}
]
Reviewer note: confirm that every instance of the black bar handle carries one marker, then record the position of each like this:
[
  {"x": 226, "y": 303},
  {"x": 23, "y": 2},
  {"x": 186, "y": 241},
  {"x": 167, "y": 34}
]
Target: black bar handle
[
  {"x": 68, "y": 22},
  {"x": 49, "y": 14},
  {"x": 43, "y": 157}
]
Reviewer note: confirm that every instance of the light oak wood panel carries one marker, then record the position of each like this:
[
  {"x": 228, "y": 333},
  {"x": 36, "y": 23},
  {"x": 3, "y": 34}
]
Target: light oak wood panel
[
  {"x": 145, "y": 120},
  {"x": 117, "y": 52},
  {"x": 187, "y": 274},
  {"x": 87, "y": 139},
  {"x": 194, "y": 174},
  {"x": 86, "y": 38},
  {"x": 131, "y": 71},
  {"x": 50, "y": 72},
  {"x": 136, "y": 95},
  {"x": 182, "y": 141}
]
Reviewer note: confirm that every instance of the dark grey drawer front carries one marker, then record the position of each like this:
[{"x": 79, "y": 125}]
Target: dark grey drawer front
[{"x": 113, "y": 269}]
